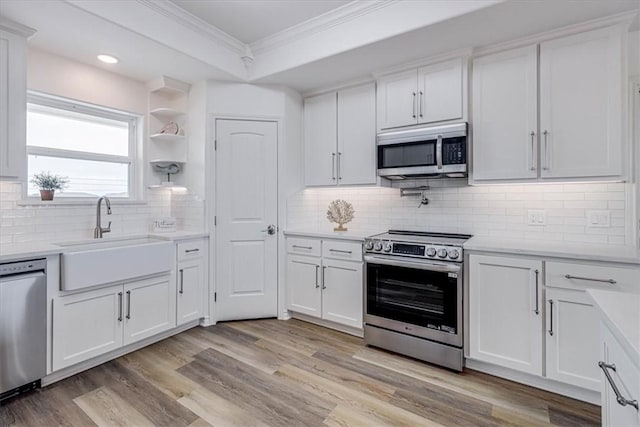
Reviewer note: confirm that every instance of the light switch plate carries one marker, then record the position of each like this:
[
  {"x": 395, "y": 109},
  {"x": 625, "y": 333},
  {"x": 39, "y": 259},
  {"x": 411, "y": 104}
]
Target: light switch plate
[
  {"x": 536, "y": 217},
  {"x": 598, "y": 218}
]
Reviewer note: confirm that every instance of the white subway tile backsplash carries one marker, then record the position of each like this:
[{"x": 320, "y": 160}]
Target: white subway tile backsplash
[{"x": 497, "y": 210}]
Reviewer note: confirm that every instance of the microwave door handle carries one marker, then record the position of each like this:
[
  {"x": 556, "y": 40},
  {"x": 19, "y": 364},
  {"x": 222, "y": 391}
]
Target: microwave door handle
[{"x": 439, "y": 151}]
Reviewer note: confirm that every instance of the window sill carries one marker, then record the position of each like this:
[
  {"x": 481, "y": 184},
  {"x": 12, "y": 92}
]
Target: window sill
[{"x": 76, "y": 202}]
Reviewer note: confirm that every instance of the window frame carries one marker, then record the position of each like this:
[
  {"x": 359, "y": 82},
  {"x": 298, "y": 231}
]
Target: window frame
[{"x": 132, "y": 159}]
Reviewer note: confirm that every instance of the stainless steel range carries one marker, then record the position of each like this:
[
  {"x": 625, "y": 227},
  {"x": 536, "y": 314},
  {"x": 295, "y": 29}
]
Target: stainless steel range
[{"x": 413, "y": 298}]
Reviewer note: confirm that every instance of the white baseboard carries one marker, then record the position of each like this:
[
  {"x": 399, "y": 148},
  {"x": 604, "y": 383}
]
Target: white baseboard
[
  {"x": 571, "y": 391},
  {"x": 328, "y": 324},
  {"x": 103, "y": 358}
]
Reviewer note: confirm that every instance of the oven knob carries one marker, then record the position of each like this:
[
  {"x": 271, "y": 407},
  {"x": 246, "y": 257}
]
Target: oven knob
[
  {"x": 377, "y": 246},
  {"x": 442, "y": 253},
  {"x": 431, "y": 252},
  {"x": 454, "y": 254},
  {"x": 368, "y": 245},
  {"x": 387, "y": 247}
]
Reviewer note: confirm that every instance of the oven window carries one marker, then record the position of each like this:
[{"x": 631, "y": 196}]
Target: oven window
[
  {"x": 419, "y": 297},
  {"x": 422, "y": 153}
]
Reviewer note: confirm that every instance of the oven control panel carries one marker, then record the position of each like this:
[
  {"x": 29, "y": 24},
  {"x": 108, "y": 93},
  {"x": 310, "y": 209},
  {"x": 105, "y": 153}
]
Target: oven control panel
[{"x": 414, "y": 250}]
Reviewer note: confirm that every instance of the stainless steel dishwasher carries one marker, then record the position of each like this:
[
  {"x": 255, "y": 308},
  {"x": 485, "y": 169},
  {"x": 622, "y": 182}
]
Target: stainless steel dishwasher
[{"x": 23, "y": 326}]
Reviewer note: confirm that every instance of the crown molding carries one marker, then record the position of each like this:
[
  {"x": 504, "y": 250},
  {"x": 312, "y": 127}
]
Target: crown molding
[
  {"x": 463, "y": 54},
  {"x": 16, "y": 28},
  {"x": 332, "y": 18},
  {"x": 182, "y": 17}
]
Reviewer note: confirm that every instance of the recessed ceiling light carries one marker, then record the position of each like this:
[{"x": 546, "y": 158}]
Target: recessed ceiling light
[{"x": 108, "y": 59}]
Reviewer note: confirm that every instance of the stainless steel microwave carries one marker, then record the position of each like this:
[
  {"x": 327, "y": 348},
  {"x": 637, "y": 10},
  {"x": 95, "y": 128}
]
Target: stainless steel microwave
[{"x": 434, "y": 151}]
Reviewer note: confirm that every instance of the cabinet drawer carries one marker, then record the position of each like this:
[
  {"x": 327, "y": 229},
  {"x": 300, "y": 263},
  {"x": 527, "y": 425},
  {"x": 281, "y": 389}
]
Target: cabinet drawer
[
  {"x": 583, "y": 276},
  {"x": 304, "y": 246},
  {"x": 351, "y": 251},
  {"x": 191, "y": 249}
]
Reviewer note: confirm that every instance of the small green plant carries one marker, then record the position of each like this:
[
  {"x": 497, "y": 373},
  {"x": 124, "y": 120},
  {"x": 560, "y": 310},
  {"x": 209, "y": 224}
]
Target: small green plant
[{"x": 47, "y": 181}]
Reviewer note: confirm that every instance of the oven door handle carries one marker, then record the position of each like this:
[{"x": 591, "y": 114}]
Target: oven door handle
[{"x": 439, "y": 267}]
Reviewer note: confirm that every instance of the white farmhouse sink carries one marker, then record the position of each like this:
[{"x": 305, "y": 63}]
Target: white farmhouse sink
[{"x": 96, "y": 262}]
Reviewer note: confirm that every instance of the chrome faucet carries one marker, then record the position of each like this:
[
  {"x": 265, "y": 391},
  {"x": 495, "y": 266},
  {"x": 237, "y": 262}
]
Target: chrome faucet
[{"x": 99, "y": 231}]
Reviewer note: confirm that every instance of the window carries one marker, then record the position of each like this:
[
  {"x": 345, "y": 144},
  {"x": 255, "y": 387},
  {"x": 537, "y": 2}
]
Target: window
[{"x": 93, "y": 148}]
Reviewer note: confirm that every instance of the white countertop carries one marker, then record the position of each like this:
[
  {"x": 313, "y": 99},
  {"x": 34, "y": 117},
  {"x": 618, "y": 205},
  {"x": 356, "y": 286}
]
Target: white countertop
[
  {"x": 328, "y": 233},
  {"x": 620, "y": 311},
  {"x": 605, "y": 253},
  {"x": 21, "y": 251}
]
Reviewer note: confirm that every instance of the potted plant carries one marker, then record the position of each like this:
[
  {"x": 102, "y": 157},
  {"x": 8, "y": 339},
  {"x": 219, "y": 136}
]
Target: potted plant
[{"x": 48, "y": 184}]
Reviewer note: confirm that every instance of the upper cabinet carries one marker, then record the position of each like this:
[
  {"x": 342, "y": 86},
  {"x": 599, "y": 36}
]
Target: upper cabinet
[
  {"x": 13, "y": 98},
  {"x": 434, "y": 93},
  {"x": 340, "y": 137},
  {"x": 578, "y": 132}
]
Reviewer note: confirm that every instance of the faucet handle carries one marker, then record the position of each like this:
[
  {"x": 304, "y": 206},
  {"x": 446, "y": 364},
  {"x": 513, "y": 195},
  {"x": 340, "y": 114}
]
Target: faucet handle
[{"x": 106, "y": 230}]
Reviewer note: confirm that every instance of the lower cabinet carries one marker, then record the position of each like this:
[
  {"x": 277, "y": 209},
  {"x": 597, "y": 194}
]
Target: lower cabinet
[
  {"x": 328, "y": 287},
  {"x": 505, "y": 317},
  {"x": 191, "y": 279},
  {"x": 92, "y": 323}
]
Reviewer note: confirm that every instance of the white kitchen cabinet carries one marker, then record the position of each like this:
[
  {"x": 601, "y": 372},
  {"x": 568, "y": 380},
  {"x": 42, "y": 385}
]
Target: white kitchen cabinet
[
  {"x": 13, "y": 98},
  {"x": 320, "y": 121},
  {"x": 327, "y": 287},
  {"x": 342, "y": 292},
  {"x": 505, "y": 115},
  {"x": 90, "y": 323},
  {"x": 86, "y": 325},
  {"x": 430, "y": 94},
  {"x": 191, "y": 280},
  {"x": 149, "y": 308},
  {"x": 340, "y": 139},
  {"x": 303, "y": 278},
  {"x": 581, "y": 105},
  {"x": 572, "y": 345},
  {"x": 625, "y": 376},
  {"x": 581, "y": 128},
  {"x": 505, "y": 312}
]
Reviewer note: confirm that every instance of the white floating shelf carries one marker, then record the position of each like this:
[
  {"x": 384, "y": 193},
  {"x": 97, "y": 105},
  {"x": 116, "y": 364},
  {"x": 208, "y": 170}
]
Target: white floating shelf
[
  {"x": 167, "y": 113},
  {"x": 167, "y": 137}
]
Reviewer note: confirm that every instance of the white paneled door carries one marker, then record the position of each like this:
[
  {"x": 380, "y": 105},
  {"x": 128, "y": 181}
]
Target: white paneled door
[{"x": 246, "y": 210}]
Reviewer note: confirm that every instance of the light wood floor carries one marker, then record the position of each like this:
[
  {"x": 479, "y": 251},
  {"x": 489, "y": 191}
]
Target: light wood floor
[{"x": 284, "y": 373}]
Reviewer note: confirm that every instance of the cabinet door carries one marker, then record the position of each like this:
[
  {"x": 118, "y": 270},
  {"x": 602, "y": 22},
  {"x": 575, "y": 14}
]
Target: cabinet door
[
  {"x": 189, "y": 290},
  {"x": 571, "y": 337},
  {"x": 303, "y": 285},
  {"x": 397, "y": 100},
  {"x": 150, "y": 308},
  {"x": 440, "y": 88},
  {"x": 320, "y": 127},
  {"x": 505, "y": 115},
  {"x": 581, "y": 105},
  {"x": 13, "y": 91},
  {"x": 357, "y": 135},
  {"x": 505, "y": 319},
  {"x": 86, "y": 325},
  {"x": 626, "y": 378},
  {"x": 342, "y": 299}
]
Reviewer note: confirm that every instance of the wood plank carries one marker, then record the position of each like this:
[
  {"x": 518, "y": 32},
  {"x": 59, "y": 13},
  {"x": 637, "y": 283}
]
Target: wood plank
[
  {"x": 218, "y": 411},
  {"x": 106, "y": 408}
]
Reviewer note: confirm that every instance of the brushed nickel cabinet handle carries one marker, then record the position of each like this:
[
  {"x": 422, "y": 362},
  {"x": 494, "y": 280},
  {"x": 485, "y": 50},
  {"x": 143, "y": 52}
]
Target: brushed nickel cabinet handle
[
  {"x": 339, "y": 166},
  {"x": 414, "y": 105},
  {"x": 302, "y": 247},
  {"x": 610, "y": 281},
  {"x": 619, "y": 398},
  {"x": 537, "y": 310},
  {"x": 192, "y": 250},
  {"x": 333, "y": 166},
  {"x": 317, "y": 269},
  {"x": 550, "y": 317},
  {"x": 324, "y": 269},
  {"x": 533, "y": 150},
  {"x": 340, "y": 251},
  {"x": 128, "y": 305},
  {"x": 420, "y": 101},
  {"x": 119, "y": 306},
  {"x": 545, "y": 163},
  {"x": 181, "y": 281}
]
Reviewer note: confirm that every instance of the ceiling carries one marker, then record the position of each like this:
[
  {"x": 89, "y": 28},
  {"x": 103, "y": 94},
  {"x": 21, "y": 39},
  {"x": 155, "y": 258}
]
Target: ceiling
[
  {"x": 252, "y": 20},
  {"x": 304, "y": 44}
]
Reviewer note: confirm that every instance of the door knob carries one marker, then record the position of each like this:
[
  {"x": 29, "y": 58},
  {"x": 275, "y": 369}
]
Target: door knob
[{"x": 271, "y": 229}]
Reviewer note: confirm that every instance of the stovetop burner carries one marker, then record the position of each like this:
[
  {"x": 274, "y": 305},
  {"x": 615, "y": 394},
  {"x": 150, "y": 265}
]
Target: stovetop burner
[{"x": 417, "y": 244}]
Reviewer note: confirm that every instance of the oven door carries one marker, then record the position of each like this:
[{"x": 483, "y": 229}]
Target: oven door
[{"x": 420, "y": 298}]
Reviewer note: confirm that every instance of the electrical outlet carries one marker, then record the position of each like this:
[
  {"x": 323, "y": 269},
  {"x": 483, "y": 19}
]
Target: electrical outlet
[
  {"x": 598, "y": 219},
  {"x": 536, "y": 217}
]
